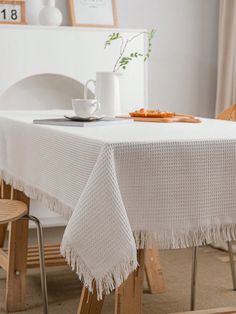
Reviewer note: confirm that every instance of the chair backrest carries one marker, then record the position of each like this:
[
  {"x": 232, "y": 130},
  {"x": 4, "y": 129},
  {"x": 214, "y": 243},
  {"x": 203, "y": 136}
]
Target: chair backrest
[
  {"x": 228, "y": 114},
  {"x": 41, "y": 92}
]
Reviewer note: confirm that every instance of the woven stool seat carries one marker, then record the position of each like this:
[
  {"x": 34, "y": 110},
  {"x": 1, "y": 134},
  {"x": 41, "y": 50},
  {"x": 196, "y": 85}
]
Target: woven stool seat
[
  {"x": 11, "y": 210},
  {"x": 13, "y": 258}
]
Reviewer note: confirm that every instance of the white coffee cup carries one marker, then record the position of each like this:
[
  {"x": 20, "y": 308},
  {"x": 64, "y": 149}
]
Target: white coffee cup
[{"x": 85, "y": 108}]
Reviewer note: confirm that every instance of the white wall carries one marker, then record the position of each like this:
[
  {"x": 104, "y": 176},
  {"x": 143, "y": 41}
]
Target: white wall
[{"x": 182, "y": 69}]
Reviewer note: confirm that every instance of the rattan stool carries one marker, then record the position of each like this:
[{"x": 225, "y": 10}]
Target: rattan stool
[{"x": 10, "y": 211}]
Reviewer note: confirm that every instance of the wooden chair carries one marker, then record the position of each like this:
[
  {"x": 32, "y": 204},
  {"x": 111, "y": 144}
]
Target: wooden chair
[
  {"x": 10, "y": 212},
  {"x": 230, "y": 115}
]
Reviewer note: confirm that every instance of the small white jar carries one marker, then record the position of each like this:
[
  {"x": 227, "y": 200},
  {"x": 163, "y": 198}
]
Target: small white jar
[{"x": 50, "y": 15}]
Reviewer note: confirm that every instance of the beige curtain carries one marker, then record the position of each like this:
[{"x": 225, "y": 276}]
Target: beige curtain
[{"x": 226, "y": 76}]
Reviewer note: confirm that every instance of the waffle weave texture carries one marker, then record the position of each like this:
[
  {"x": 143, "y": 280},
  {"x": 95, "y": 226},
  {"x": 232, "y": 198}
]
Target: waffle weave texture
[{"x": 125, "y": 187}]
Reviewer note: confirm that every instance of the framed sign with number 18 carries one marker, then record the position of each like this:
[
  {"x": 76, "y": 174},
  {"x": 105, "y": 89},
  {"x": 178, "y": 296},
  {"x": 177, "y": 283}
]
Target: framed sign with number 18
[{"x": 12, "y": 12}]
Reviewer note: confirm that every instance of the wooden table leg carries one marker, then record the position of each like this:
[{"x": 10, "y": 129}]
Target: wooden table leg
[
  {"x": 17, "y": 252},
  {"x": 154, "y": 274},
  {"x": 5, "y": 192},
  {"x": 16, "y": 272},
  {"x": 89, "y": 303},
  {"x": 3, "y": 230},
  {"x": 129, "y": 294}
]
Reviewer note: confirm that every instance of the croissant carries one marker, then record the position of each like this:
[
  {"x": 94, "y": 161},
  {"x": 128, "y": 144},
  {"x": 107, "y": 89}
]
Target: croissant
[{"x": 148, "y": 113}]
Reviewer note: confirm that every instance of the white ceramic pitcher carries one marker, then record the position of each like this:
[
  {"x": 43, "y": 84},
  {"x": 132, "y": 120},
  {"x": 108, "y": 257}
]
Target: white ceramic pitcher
[{"x": 107, "y": 93}]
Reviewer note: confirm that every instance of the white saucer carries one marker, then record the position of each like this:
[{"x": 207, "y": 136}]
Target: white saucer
[{"x": 88, "y": 119}]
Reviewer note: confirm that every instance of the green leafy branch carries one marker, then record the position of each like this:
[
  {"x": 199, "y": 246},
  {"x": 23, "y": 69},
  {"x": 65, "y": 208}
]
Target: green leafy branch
[
  {"x": 111, "y": 37},
  {"x": 123, "y": 61},
  {"x": 151, "y": 34}
]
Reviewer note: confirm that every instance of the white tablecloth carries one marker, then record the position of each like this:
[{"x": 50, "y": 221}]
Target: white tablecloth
[{"x": 125, "y": 186}]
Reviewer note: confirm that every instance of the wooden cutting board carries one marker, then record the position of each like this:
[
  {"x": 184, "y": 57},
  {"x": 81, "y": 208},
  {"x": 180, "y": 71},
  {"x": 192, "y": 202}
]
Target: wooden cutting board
[
  {"x": 177, "y": 118},
  {"x": 167, "y": 120}
]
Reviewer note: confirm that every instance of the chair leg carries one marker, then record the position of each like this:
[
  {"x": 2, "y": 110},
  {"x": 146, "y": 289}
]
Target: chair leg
[
  {"x": 194, "y": 278},
  {"x": 232, "y": 266},
  {"x": 42, "y": 261}
]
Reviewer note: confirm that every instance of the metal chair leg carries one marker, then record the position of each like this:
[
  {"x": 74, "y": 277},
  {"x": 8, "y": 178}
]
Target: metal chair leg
[
  {"x": 194, "y": 278},
  {"x": 232, "y": 266},
  {"x": 42, "y": 261}
]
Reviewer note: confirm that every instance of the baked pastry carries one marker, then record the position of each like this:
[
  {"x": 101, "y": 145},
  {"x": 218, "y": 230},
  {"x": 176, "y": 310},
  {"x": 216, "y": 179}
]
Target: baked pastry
[{"x": 148, "y": 113}]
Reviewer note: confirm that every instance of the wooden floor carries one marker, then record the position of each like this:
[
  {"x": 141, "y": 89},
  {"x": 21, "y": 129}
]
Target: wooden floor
[
  {"x": 225, "y": 310},
  {"x": 214, "y": 289}
]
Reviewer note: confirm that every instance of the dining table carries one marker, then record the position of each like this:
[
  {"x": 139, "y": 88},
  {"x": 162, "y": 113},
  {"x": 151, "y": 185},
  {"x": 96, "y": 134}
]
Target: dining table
[{"x": 123, "y": 188}]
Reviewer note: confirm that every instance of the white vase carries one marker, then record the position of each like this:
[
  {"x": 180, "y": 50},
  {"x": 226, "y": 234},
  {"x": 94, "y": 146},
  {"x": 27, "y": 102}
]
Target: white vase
[
  {"x": 107, "y": 92},
  {"x": 50, "y": 15}
]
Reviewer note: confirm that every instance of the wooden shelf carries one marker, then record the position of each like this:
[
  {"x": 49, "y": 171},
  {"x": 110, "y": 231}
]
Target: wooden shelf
[
  {"x": 72, "y": 28},
  {"x": 52, "y": 255}
]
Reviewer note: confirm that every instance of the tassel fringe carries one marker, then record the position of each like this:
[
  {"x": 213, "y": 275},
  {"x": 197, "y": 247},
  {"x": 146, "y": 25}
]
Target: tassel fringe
[
  {"x": 109, "y": 282},
  {"x": 213, "y": 230},
  {"x": 34, "y": 193}
]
